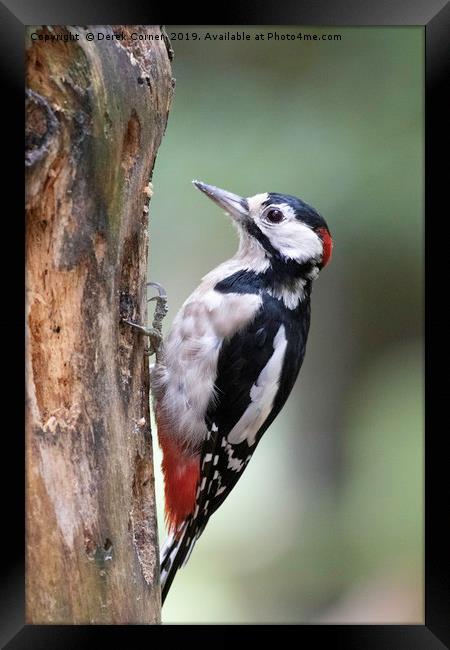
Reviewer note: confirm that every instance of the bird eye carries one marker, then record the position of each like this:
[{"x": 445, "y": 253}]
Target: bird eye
[{"x": 275, "y": 216}]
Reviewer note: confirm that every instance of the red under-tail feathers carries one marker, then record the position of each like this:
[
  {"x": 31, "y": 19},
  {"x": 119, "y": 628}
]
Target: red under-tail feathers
[{"x": 181, "y": 476}]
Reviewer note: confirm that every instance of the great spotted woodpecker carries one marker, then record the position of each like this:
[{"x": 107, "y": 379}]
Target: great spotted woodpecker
[{"x": 232, "y": 357}]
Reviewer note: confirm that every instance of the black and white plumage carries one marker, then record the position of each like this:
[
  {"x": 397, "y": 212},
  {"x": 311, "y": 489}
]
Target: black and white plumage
[{"x": 232, "y": 357}]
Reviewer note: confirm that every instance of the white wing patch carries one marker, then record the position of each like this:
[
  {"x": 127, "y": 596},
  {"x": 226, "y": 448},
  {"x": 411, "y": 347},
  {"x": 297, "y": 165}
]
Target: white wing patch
[{"x": 262, "y": 394}]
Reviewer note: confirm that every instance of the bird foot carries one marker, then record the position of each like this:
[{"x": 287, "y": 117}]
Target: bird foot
[{"x": 155, "y": 331}]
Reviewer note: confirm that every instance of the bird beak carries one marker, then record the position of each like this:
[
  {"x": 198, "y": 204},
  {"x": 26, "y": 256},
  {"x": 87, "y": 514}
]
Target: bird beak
[{"x": 236, "y": 206}]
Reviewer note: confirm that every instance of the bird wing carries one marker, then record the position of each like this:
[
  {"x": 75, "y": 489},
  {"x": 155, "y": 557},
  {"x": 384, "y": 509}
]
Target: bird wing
[{"x": 256, "y": 370}]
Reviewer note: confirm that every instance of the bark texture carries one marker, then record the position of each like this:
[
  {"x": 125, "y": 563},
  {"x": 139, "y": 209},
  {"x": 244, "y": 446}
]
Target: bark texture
[{"x": 96, "y": 113}]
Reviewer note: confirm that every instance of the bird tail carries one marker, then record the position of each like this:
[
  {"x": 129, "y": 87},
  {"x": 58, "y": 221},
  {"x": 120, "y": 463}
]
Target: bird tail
[{"x": 174, "y": 555}]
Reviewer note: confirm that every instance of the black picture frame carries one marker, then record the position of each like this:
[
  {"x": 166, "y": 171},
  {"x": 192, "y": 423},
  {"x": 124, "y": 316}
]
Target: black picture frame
[{"x": 434, "y": 16}]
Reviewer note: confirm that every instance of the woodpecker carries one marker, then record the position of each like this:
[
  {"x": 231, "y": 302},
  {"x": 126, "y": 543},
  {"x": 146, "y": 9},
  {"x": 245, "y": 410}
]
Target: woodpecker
[{"x": 231, "y": 358}]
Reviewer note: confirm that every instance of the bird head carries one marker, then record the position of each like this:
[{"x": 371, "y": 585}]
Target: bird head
[{"x": 286, "y": 229}]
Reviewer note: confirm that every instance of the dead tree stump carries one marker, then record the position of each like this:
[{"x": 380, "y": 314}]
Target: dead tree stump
[{"x": 96, "y": 114}]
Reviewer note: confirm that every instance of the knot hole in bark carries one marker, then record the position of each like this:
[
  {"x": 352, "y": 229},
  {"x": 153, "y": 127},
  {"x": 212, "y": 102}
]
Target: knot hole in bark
[{"x": 41, "y": 124}]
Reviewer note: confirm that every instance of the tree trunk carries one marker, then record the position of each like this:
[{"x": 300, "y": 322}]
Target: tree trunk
[{"x": 96, "y": 114}]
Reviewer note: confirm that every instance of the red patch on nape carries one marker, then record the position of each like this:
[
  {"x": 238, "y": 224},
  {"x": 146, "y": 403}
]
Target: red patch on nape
[
  {"x": 327, "y": 245},
  {"x": 181, "y": 475}
]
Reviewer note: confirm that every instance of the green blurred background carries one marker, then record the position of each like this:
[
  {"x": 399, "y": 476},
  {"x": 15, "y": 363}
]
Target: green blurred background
[{"x": 326, "y": 524}]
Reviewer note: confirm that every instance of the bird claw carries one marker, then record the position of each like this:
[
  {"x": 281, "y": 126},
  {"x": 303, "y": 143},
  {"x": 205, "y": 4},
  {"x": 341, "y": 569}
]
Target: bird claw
[
  {"x": 140, "y": 328},
  {"x": 161, "y": 304},
  {"x": 155, "y": 331},
  {"x": 156, "y": 340},
  {"x": 162, "y": 292}
]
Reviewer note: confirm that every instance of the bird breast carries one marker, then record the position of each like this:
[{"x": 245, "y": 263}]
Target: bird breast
[{"x": 183, "y": 382}]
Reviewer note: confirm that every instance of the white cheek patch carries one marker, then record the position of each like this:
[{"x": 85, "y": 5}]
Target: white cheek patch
[
  {"x": 262, "y": 394},
  {"x": 294, "y": 240}
]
